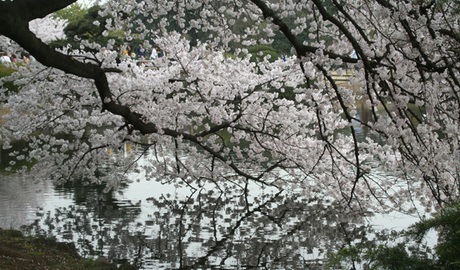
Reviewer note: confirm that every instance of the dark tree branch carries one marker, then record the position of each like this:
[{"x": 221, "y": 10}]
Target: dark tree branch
[
  {"x": 301, "y": 49},
  {"x": 28, "y": 10},
  {"x": 17, "y": 29}
]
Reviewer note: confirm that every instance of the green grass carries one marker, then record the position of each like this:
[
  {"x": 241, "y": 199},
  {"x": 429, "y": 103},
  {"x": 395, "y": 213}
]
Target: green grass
[
  {"x": 22, "y": 252},
  {"x": 6, "y": 71}
]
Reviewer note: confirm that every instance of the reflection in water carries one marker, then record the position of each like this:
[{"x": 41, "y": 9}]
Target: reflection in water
[
  {"x": 155, "y": 225},
  {"x": 20, "y": 198},
  {"x": 187, "y": 229}
]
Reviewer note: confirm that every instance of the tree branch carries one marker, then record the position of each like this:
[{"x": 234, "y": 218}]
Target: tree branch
[
  {"x": 30, "y": 9},
  {"x": 301, "y": 49}
]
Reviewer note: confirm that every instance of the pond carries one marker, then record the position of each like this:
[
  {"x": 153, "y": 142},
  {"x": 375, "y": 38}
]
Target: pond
[
  {"x": 165, "y": 226},
  {"x": 156, "y": 225}
]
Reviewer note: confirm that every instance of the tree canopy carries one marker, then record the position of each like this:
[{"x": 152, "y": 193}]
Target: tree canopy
[{"x": 209, "y": 113}]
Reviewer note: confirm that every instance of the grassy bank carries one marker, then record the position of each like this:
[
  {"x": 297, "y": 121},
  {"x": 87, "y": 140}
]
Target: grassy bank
[
  {"x": 5, "y": 71},
  {"x": 21, "y": 252},
  {"x": 3, "y": 112}
]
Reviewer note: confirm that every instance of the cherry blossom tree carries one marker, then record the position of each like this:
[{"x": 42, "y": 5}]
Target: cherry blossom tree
[
  {"x": 209, "y": 113},
  {"x": 48, "y": 28}
]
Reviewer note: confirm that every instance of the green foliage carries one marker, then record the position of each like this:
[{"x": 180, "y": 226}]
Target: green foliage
[
  {"x": 372, "y": 256},
  {"x": 386, "y": 252},
  {"x": 408, "y": 254},
  {"x": 261, "y": 51},
  {"x": 397, "y": 257},
  {"x": 345, "y": 258},
  {"x": 24, "y": 252},
  {"x": 73, "y": 13},
  {"x": 87, "y": 25},
  {"x": 447, "y": 223},
  {"x": 86, "y": 28},
  {"x": 4, "y": 72}
]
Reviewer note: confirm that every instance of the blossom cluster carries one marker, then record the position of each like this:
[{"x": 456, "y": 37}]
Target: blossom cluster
[{"x": 211, "y": 113}]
